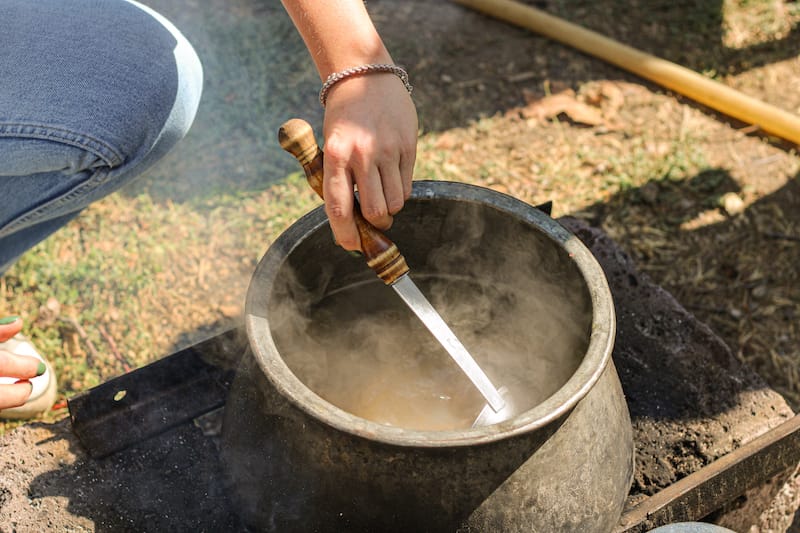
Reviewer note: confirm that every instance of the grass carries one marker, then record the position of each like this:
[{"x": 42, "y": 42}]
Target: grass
[
  {"x": 131, "y": 280},
  {"x": 573, "y": 166},
  {"x": 137, "y": 275}
]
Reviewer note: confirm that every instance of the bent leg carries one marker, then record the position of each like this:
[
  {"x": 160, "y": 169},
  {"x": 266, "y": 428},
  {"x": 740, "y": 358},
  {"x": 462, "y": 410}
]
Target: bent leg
[{"x": 93, "y": 93}]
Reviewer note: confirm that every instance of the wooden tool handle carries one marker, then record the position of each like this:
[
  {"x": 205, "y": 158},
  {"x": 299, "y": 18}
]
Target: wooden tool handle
[
  {"x": 680, "y": 79},
  {"x": 297, "y": 138}
]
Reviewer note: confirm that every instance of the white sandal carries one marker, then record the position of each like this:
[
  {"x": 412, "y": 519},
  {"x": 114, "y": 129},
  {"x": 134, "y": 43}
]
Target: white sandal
[{"x": 43, "y": 395}]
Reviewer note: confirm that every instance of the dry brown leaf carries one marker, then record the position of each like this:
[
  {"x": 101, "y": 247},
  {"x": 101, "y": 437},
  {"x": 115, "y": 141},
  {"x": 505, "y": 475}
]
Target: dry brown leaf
[
  {"x": 608, "y": 97},
  {"x": 564, "y": 102},
  {"x": 584, "y": 114},
  {"x": 607, "y": 94},
  {"x": 48, "y": 313}
]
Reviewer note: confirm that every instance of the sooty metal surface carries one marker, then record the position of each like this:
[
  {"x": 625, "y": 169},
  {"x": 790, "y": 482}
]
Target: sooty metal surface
[
  {"x": 538, "y": 311},
  {"x": 157, "y": 397},
  {"x": 691, "y": 404}
]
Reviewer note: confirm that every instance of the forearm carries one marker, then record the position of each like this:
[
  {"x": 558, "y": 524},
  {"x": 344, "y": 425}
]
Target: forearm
[
  {"x": 338, "y": 34},
  {"x": 370, "y": 126}
]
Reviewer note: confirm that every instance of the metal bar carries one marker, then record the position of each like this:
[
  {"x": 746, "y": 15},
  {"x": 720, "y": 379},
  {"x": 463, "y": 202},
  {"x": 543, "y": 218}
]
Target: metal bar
[
  {"x": 156, "y": 397},
  {"x": 702, "y": 492}
]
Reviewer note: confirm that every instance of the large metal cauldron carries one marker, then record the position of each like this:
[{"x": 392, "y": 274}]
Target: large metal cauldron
[{"x": 564, "y": 463}]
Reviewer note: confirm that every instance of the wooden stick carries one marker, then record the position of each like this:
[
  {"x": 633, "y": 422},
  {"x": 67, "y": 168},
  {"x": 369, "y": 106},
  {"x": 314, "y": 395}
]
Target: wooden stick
[
  {"x": 126, "y": 366},
  {"x": 680, "y": 79},
  {"x": 93, "y": 355}
]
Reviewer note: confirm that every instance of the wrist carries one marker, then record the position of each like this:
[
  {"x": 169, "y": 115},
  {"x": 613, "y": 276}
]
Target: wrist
[
  {"x": 363, "y": 70},
  {"x": 353, "y": 53}
]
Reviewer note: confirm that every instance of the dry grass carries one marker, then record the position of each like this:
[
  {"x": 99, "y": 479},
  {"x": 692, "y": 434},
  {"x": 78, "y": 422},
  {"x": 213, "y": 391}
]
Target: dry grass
[
  {"x": 135, "y": 277},
  {"x": 130, "y": 281}
]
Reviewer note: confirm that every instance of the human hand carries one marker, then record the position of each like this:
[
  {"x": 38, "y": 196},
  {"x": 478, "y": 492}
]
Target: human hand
[
  {"x": 370, "y": 134},
  {"x": 18, "y": 367}
]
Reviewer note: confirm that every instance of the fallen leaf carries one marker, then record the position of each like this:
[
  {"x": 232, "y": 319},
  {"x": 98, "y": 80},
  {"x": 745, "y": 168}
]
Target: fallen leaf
[{"x": 566, "y": 103}]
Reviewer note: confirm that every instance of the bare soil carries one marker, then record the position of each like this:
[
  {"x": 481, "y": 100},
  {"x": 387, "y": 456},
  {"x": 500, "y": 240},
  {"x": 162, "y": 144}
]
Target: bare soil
[{"x": 705, "y": 205}]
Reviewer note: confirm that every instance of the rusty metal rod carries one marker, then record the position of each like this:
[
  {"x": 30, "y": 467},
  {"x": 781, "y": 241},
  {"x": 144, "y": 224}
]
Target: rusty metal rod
[
  {"x": 711, "y": 487},
  {"x": 680, "y": 79}
]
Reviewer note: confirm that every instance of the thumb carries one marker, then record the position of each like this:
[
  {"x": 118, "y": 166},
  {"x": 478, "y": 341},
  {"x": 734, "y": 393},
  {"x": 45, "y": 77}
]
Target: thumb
[{"x": 9, "y": 326}]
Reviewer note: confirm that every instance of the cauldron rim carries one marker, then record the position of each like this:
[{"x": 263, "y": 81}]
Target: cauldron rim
[{"x": 591, "y": 367}]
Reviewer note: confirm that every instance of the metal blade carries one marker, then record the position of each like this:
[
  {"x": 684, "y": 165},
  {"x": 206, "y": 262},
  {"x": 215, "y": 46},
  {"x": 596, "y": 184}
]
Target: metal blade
[{"x": 412, "y": 296}]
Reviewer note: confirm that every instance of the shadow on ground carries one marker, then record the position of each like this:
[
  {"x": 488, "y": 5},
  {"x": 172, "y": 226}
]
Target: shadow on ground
[
  {"x": 691, "y": 400},
  {"x": 463, "y": 65},
  {"x": 734, "y": 272}
]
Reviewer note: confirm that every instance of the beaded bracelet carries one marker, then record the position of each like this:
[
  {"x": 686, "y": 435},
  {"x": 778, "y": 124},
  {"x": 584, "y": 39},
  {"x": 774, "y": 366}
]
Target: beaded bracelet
[{"x": 336, "y": 77}]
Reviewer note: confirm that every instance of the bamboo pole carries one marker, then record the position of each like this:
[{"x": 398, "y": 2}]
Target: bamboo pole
[{"x": 680, "y": 79}]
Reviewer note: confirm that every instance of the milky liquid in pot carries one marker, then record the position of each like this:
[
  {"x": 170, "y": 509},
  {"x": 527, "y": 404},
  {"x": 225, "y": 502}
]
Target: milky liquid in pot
[{"x": 362, "y": 350}]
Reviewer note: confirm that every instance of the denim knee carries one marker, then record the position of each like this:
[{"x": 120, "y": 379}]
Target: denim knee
[{"x": 94, "y": 93}]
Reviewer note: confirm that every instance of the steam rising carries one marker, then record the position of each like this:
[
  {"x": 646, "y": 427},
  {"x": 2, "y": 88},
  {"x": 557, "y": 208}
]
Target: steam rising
[{"x": 512, "y": 298}]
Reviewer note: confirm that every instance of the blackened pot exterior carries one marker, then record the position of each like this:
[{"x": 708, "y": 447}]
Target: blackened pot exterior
[{"x": 299, "y": 463}]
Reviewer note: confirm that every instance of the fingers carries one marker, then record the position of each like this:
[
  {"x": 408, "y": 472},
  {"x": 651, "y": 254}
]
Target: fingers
[
  {"x": 9, "y": 327},
  {"x": 15, "y": 394},
  {"x": 345, "y": 164},
  {"x": 372, "y": 198},
  {"x": 376, "y": 174},
  {"x": 14, "y": 366},
  {"x": 19, "y": 366},
  {"x": 370, "y": 142},
  {"x": 337, "y": 188},
  {"x": 392, "y": 187},
  {"x": 407, "y": 161}
]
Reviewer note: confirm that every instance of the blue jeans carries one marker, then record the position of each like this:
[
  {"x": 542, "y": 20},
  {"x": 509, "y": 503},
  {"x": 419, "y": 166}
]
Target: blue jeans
[{"x": 92, "y": 92}]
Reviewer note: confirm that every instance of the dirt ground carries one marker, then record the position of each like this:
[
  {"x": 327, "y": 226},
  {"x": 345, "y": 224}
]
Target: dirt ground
[
  {"x": 690, "y": 403},
  {"x": 706, "y": 205}
]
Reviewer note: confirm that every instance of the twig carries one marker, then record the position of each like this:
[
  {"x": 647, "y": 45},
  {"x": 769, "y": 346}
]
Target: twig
[
  {"x": 766, "y": 160},
  {"x": 126, "y": 366},
  {"x": 782, "y": 236},
  {"x": 468, "y": 83},
  {"x": 521, "y": 76},
  {"x": 707, "y": 308},
  {"x": 93, "y": 355}
]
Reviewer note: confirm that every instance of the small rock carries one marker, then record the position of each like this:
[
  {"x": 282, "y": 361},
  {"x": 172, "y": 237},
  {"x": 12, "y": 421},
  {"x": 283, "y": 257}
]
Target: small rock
[
  {"x": 49, "y": 312},
  {"x": 649, "y": 192},
  {"x": 759, "y": 291},
  {"x": 732, "y": 203}
]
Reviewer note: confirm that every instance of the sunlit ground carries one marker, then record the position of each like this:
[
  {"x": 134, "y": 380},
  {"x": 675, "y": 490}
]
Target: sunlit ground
[{"x": 167, "y": 261}]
